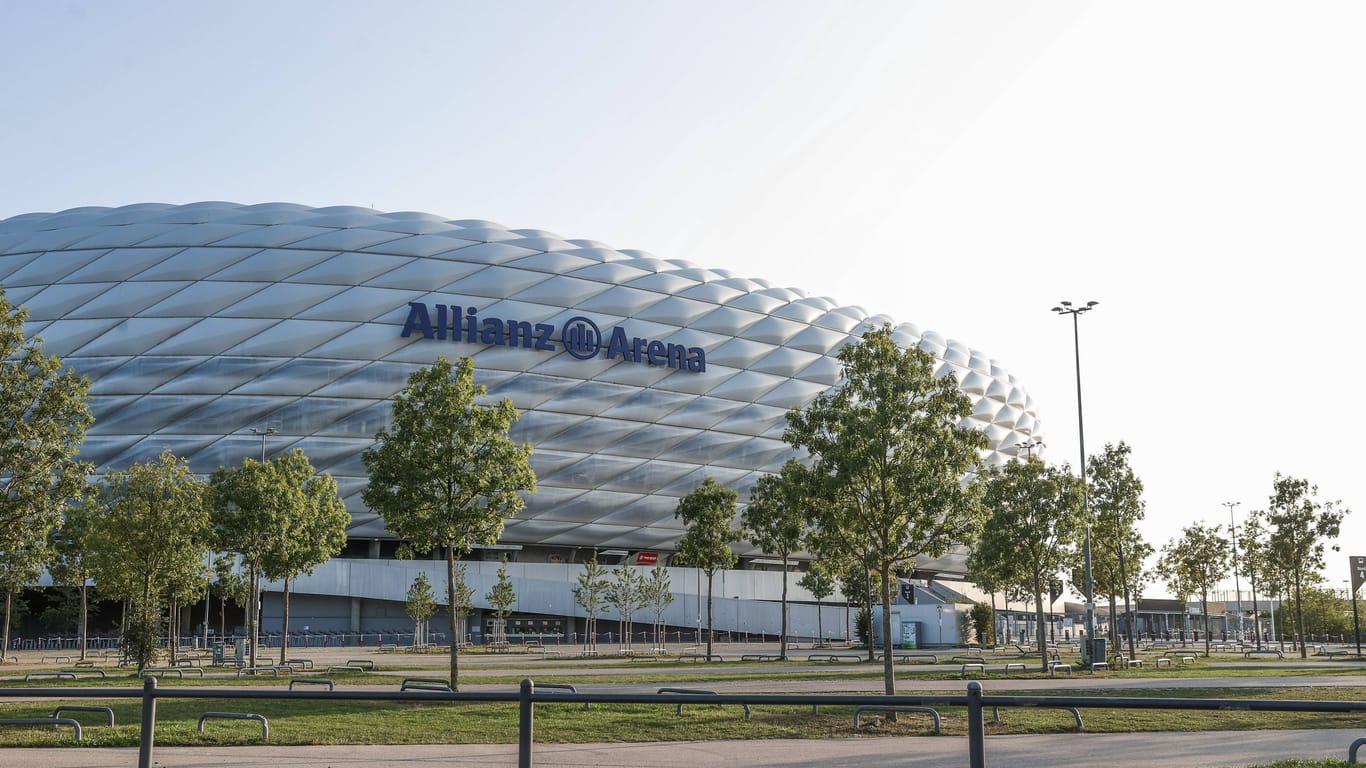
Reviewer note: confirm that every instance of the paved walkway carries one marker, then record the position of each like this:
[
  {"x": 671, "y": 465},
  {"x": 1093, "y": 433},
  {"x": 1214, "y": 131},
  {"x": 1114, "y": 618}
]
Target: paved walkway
[{"x": 1082, "y": 750}]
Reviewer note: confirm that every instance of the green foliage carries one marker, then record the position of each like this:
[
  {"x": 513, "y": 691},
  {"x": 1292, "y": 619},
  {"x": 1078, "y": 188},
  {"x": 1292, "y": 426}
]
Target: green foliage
[
  {"x": 1029, "y": 536},
  {"x": 1325, "y": 611},
  {"x": 708, "y": 512},
  {"x": 141, "y": 634},
  {"x": 1194, "y": 564},
  {"x": 657, "y": 594},
  {"x": 818, "y": 580},
  {"x": 446, "y": 474},
  {"x": 626, "y": 593},
  {"x": 503, "y": 595},
  {"x": 592, "y": 588},
  {"x": 776, "y": 521},
  {"x": 1299, "y": 525},
  {"x": 982, "y": 618},
  {"x": 890, "y": 441},
  {"x": 421, "y": 602}
]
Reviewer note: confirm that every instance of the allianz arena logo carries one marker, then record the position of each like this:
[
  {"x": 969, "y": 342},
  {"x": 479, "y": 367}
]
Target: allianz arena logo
[{"x": 580, "y": 337}]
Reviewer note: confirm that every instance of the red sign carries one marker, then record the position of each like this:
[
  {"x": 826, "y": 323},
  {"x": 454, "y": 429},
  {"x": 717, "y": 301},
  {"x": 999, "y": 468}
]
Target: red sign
[{"x": 647, "y": 558}]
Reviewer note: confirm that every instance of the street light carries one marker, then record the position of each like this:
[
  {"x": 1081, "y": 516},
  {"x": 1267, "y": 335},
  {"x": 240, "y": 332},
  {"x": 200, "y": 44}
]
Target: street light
[
  {"x": 264, "y": 433},
  {"x": 1066, "y": 308},
  {"x": 1028, "y": 447},
  {"x": 1237, "y": 589}
]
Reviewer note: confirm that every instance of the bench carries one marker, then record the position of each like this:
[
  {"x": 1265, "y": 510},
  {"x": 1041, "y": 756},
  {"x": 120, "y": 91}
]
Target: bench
[
  {"x": 85, "y": 664},
  {"x": 1128, "y": 662},
  {"x": 43, "y": 721},
  {"x": 57, "y": 675},
  {"x": 78, "y": 708},
  {"x": 265, "y": 726},
  {"x": 177, "y": 671},
  {"x": 55, "y": 659},
  {"x": 969, "y": 659},
  {"x": 1187, "y": 660},
  {"x": 1159, "y": 661},
  {"x": 835, "y": 657},
  {"x": 425, "y": 684},
  {"x": 761, "y": 657},
  {"x": 560, "y": 687},
  {"x": 1099, "y": 665},
  {"x": 312, "y": 681},
  {"x": 996, "y": 714},
  {"x": 1264, "y": 651},
  {"x": 858, "y": 712},
  {"x": 1014, "y": 665},
  {"x": 273, "y": 670},
  {"x": 694, "y": 691},
  {"x": 906, "y": 658},
  {"x": 303, "y": 663},
  {"x": 701, "y": 656},
  {"x": 365, "y": 664},
  {"x": 963, "y": 671},
  {"x": 1058, "y": 666},
  {"x": 86, "y": 671}
]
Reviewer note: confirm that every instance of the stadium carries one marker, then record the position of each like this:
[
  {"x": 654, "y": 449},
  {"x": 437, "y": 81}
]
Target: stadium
[{"x": 222, "y": 331}]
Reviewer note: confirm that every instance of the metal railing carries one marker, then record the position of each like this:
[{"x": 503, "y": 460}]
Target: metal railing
[{"x": 527, "y": 696}]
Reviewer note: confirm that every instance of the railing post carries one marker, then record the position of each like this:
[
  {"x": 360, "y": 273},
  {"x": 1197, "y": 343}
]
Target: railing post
[
  {"x": 976, "y": 727},
  {"x": 149, "y": 721},
  {"x": 524, "y": 724}
]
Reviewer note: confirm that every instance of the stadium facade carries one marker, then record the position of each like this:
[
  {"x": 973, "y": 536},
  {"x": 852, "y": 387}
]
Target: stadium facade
[{"x": 636, "y": 376}]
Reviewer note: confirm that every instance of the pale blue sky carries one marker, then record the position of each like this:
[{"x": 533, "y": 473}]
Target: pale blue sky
[{"x": 1194, "y": 166}]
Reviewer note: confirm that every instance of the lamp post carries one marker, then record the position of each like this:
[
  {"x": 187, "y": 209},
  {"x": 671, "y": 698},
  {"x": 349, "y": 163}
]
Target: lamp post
[
  {"x": 1066, "y": 308},
  {"x": 1237, "y": 589},
  {"x": 264, "y": 433},
  {"x": 1028, "y": 447}
]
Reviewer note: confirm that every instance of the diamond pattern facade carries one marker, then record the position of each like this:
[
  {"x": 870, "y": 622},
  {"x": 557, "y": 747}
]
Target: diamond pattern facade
[{"x": 198, "y": 322}]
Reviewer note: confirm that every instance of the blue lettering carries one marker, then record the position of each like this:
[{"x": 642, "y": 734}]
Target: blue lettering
[
  {"x": 543, "y": 332},
  {"x": 519, "y": 334},
  {"x": 418, "y": 320},
  {"x": 493, "y": 332},
  {"x": 617, "y": 347},
  {"x": 697, "y": 360}
]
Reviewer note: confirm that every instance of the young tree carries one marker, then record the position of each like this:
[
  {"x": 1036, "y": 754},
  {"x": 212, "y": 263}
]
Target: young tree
[
  {"x": 464, "y": 605},
  {"x": 590, "y": 596},
  {"x": 776, "y": 522},
  {"x": 1195, "y": 563},
  {"x": 891, "y": 437},
  {"x": 420, "y": 606},
  {"x": 314, "y": 526},
  {"x": 708, "y": 512},
  {"x": 984, "y": 623},
  {"x": 149, "y": 542},
  {"x": 1035, "y": 513},
  {"x": 1255, "y": 564},
  {"x": 1118, "y": 550},
  {"x": 19, "y": 569},
  {"x": 445, "y": 474},
  {"x": 1299, "y": 525},
  {"x": 69, "y": 565},
  {"x": 820, "y": 582},
  {"x": 657, "y": 594},
  {"x": 501, "y": 599},
  {"x": 250, "y": 505},
  {"x": 626, "y": 593}
]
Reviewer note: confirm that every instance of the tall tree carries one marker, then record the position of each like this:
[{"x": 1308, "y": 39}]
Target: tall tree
[
  {"x": 820, "y": 582},
  {"x": 1254, "y": 564},
  {"x": 590, "y": 594},
  {"x": 20, "y": 568},
  {"x": 1300, "y": 525},
  {"x": 251, "y": 504},
  {"x": 708, "y": 511},
  {"x": 420, "y": 606},
  {"x": 1035, "y": 513},
  {"x": 43, "y": 418},
  {"x": 446, "y": 474},
  {"x": 775, "y": 521},
  {"x": 69, "y": 565},
  {"x": 1118, "y": 550},
  {"x": 314, "y": 526},
  {"x": 1195, "y": 563},
  {"x": 891, "y": 436},
  {"x": 149, "y": 542}
]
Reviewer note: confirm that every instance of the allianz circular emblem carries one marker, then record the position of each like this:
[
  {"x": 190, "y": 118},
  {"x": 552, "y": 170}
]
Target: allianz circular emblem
[{"x": 579, "y": 336}]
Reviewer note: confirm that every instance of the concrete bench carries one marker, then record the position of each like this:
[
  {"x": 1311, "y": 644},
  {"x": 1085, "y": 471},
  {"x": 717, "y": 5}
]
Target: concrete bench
[
  {"x": 1057, "y": 666},
  {"x": 1093, "y": 666},
  {"x": 265, "y": 726},
  {"x": 301, "y": 663},
  {"x": 91, "y": 671},
  {"x": 761, "y": 657},
  {"x": 701, "y": 656},
  {"x": 43, "y": 721},
  {"x": 177, "y": 671},
  {"x": 934, "y": 714},
  {"x": 85, "y": 664},
  {"x": 108, "y": 713},
  {"x": 1014, "y": 665},
  {"x": 996, "y": 714},
  {"x": 694, "y": 691},
  {"x": 906, "y": 658},
  {"x": 312, "y": 681},
  {"x": 56, "y": 675},
  {"x": 1264, "y": 651},
  {"x": 425, "y": 684},
  {"x": 1128, "y": 662},
  {"x": 55, "y": 659},
  {"x": 963, "y": 670},
  {"x": 835, "y": 657},
  {"x": 969, "y": 659},
  {"x": 1187, "y": 660},
  {"x": 1159, "y": 661},
  {"x": 273, "y": 670},
  {"x": 365, "y": 664}
]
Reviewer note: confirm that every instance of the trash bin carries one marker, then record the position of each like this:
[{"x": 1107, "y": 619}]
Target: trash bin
[
  {"x": 1093, "y": 650},
  {"x": 218, "y": 654}
]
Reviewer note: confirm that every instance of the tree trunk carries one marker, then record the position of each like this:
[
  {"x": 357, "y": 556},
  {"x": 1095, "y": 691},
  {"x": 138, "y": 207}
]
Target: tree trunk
[
  {"x": 782, "y": 632},
  {"x": 1204, "y": 608},
  {"x": 1114, "y": 627},
  {"x": 711, "y": 633},
  {"x": 284, "y": 625},
  {"x": 453, "y": 620},
  {"x": 1256, "y": 617},
  {"x": 173, "y": 629},
  {"x": 820, "y": 628},
  {"x": 888, "y": 672},
  {"x": 1040, "y": 632},
  {"x": 1299, "y": 617},
  {"x": 254, "y": 615},
  {"x": 85, "y": 640},
  {"x": 4, "y": 638}
]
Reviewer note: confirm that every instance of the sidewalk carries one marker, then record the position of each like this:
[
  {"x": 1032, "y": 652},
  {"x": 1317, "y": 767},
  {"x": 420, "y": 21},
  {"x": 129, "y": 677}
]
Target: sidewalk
[{"x": 1066, "y": 750}]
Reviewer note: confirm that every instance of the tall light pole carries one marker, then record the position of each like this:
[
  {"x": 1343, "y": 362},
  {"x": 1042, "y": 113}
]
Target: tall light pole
[
  {"x": 264, "y": 433},
  {"x": 1237, "y": 589},
  {"x": 1066, "y": 308}
]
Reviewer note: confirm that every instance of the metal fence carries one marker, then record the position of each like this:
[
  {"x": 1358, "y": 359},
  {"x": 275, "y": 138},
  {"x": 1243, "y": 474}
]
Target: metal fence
[{"x": 527, "y": 697}]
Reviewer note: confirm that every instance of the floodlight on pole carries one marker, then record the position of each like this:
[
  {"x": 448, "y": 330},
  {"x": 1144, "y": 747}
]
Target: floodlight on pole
[
  {"x": 1028, "y": 447},
  {"x": 1237, "y": 589},
  {"x": 264, "y": 433}
]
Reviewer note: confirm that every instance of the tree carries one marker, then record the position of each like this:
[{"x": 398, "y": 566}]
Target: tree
[
  {"x": 1255, "y": 564},
  {"x": 1035, "y": 513},
  {"x": 983, "y": 617},
  {"x": 20, "y": 568},
  {"x": 251, "y": 505},
  {"x": 1299, "y": 525},
  {"x": 891, "y": 437},
  {"x": 501, "y": 599},
  {"x": 708, "y": 511},
  {"x": 820, "y": 582},
  {"x": 149, "y": 542},
  {"x": 1195, "y": 563},
  {"x": 445, "y": 474},
  {"x": 69, "y": 564},
  {"x": 43, "y": 418},
  {"x": 626, "y": 593},
  {"x": 464, "y": 605},
  {"x": 314, "y": 526},
  {"x": 657, "y": 594},
  {"x": 1118, "y": 550},
  {"x": 775, "y": 521},
  {"x": 232, "y": 586},
  {"x": 420, "y": 606},
  {"x": 590, "y": 595},
  {"x": 1325, "y": 611}
]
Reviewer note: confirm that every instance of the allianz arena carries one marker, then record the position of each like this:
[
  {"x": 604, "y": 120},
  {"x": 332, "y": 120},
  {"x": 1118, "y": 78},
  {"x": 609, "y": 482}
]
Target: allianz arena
[{"x": 636, "y": 376}]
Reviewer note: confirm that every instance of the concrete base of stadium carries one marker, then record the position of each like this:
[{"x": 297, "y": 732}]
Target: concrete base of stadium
[{"x": 1152, "y": 750}]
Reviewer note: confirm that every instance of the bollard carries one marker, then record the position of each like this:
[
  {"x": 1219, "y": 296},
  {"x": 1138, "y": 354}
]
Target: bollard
[
  {"x": 976, "y": 727},
  {"x": 149, "y": 721},
  {"x": 524, "y": 724}
]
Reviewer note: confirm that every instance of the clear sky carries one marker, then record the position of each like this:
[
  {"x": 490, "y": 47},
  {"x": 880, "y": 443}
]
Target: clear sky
[{"x": 1196, "y": 167}]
